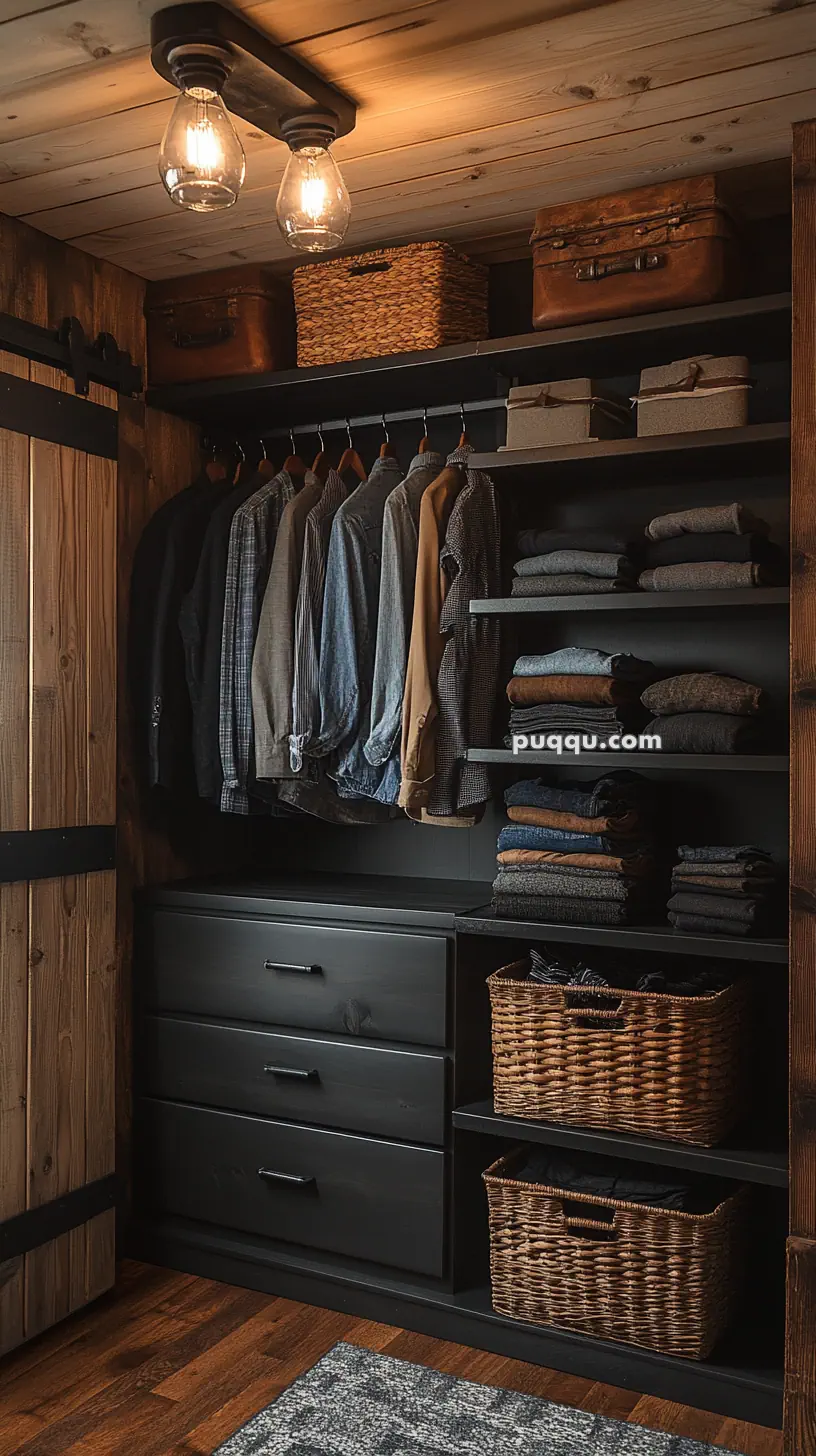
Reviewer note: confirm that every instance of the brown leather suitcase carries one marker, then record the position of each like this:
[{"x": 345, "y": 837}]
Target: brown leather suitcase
[
  {"x": 214, "y": 325},
  {"x": 668, "y": 246}
]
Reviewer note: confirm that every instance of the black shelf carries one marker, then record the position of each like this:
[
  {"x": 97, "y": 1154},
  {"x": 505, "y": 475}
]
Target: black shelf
[
  {"x": 742, "y": 1379},
  {"x": 658, "y": 937},
  {"x": 738, "y": 1157},
  {"x": 747, "y": 450},
  {"x": 757, "y": 326},
  {"x": 696, "y": 762},
  {"x": 636, "y": 601}
]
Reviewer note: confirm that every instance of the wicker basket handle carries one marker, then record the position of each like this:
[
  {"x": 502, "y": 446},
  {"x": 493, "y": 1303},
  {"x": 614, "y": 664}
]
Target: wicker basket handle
[
  {"x": 578, "y": 1220},
  {"x": 582, "y": 1008}
]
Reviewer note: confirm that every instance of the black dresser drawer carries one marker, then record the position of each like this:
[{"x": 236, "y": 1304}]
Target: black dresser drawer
[
  {"x": 328, "y": 1081},
  {"x": 356, "y": 1196},
  {"x": 367, "y": 983}
]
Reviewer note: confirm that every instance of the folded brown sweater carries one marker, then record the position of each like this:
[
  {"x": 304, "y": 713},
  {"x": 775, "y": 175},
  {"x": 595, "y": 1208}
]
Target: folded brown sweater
[
  {"x": 703, "y": 692},
  {"x": 635, "y": 864},
  {"x": 570, "y": 688},
  {"x": 734, "y": 518},
  {"x": 560, "y": 819}
]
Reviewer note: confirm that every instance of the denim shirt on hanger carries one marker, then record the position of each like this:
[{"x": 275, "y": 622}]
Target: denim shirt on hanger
[{"x": 348, "y": 635}]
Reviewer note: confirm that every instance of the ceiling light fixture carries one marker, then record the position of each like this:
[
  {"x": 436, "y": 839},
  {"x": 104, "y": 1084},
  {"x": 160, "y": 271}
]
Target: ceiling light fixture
[{"x": 220, "y": 63}]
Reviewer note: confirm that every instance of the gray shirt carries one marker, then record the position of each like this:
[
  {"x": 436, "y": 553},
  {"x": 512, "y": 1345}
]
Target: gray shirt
[{"x": 396, "y": 605}]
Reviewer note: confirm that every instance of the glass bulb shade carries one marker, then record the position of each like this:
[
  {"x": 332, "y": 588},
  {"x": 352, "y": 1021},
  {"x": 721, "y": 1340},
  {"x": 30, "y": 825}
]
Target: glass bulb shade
[
  {"x": 202, "y": 162},
  {"x": 313, "y": 205}
]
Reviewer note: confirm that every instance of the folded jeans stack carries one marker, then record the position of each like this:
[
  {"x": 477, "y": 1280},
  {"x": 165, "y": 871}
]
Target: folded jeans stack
[
  {"x": 577, "y": 854},
  {"x": 705, "y": 712},
  {"x": 723, "y": 890},
  {"x": 570, "y": 563},
  {"x": 710, "y": 548},
  {"x": 577, "y": 690}
]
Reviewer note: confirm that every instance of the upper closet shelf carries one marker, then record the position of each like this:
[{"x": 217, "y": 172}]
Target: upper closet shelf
[
  {"x": 636, "y": 601},
  {"x": 747, "y": 450},
  {"x": 759, "y": 327}
]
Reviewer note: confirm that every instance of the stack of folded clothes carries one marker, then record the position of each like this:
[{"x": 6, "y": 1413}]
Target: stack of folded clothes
[
  {"x": 577, "y": 690},
  {"x": 723, "y": 890},
  {"x": 579, "y": 853},
  {"x": 710, "y": 548},
  {"x": 706, "y": 712},
  {"x": 570, "y": 563}
]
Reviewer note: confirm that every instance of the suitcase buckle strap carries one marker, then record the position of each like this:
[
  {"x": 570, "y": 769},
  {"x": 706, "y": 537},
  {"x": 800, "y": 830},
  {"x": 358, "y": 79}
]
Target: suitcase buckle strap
[{"x": 597, "y": 269}]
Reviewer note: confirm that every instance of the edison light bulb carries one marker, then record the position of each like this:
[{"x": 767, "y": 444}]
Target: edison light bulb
[
  {"x": 313, "y": 205},
  {"x": 202, "y": 162}
]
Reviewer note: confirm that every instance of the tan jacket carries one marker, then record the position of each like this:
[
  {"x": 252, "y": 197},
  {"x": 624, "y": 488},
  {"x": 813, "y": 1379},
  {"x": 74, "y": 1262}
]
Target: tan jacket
[{"x": 419, "y": 704}]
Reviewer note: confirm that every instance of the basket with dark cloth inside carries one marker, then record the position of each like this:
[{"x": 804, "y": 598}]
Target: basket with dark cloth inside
[
  {"x": 597, "y": 1246},
  {"x": 668, "y": 1060}
]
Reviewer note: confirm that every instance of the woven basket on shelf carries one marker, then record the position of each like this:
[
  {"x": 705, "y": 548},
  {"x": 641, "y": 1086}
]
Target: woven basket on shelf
[
  {"x": 620, "y": 1271},
  {"x": 391, "y": 301},
  {"x": 631, "y": 1060}
]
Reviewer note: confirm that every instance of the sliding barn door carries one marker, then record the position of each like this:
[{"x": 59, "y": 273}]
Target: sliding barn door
[{"x": 57, "y": 927}]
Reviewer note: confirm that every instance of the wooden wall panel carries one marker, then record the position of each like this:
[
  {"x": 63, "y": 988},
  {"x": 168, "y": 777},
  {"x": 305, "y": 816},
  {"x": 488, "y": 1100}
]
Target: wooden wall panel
[{"x": 800, "y": 1407}]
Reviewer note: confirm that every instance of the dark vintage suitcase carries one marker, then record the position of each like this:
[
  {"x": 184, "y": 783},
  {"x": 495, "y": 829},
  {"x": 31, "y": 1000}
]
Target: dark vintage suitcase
[
  {"x": 213, "y": 325},
  {"x": 668, "y": 246}
]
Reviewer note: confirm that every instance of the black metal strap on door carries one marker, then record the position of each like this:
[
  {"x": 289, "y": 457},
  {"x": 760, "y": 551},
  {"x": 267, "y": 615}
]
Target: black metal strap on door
[
  {"x": 48, "y": 854},
  {"x": 26, "y": 1231},
  {"x": 52, "y": 414},
  {"x": 69, "y": 349}
]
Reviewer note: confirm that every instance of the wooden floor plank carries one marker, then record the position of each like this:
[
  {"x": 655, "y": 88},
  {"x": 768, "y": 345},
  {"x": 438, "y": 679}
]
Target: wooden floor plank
[{"x": 171, "y": 1365}]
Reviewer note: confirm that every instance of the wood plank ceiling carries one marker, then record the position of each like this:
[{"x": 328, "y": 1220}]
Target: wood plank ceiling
[{"x": 471, "y": 114}]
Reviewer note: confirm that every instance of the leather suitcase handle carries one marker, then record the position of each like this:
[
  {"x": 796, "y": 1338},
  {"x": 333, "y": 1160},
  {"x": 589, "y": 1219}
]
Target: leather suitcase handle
[
  {"x": 219, "y": 335},
  {"x": 291, "y": 1180},
  {"x": 594, "y": 270}
]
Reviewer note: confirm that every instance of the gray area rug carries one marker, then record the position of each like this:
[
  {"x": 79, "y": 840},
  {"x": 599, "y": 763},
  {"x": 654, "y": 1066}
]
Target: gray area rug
[{"x": 357, "y": 1403}]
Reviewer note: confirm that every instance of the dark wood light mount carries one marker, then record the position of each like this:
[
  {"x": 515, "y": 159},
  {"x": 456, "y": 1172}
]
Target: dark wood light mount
[{"x": 263, "y": 83}]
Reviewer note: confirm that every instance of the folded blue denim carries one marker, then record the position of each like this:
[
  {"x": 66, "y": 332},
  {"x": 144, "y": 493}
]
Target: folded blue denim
[
  {"x": 616, "y": 790},
  {"x": 585, "y": 661},
  {"x": 532, "y": 836},
  {"x": 568, "y": 563}
]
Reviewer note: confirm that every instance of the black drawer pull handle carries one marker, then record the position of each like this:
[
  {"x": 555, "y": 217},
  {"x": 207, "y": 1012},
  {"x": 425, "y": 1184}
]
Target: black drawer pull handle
[
  {"x": 292, "y": 1180},
  {"x": 301, "y": 1073},
  {"x": 298, "y": 970}
]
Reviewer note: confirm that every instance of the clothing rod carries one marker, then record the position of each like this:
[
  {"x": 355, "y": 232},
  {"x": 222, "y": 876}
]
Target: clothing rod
[{"x": 391, "y": 417}]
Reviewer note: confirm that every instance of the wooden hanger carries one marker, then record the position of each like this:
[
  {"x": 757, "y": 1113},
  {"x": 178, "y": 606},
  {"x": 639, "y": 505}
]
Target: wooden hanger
[
  {"x": 387, "y": 451},
  {"x": 350, "y": 460},
  {"x": 322, "y": 463},
  {"x": 293, "y": 465},
  {"x": 463, "y": 438}
]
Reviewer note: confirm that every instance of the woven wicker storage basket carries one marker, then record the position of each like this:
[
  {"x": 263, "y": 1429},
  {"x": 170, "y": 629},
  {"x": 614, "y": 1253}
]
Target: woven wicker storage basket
[
  {"x": 619, "y": 1271},
  {"x": 631, "y": 1060},
  {"x": 391, "y": 301}
]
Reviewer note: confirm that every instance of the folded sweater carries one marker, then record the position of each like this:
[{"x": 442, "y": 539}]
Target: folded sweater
[
  {"x": 619, "y": 789},
  {"x": 712, "y": 546},
  {"x": 568, "y": 563},
  {"x": 735, "y": 518},
  {"x": 568, "y": 586},
  {"x": 703, "y": 692},
  {"x": 571, "y": 688},
  {"x": 624, "y": 823},
  {"x": 534, "y": 542},
  {"x": 587, "y": 864},
  {"x": 523, "y": 880},
  {"x": 586, "y": 661},
  {"x": 708, "y": 576},
  {"x": 562, "y": 910},
  {"x": 707, "y": 733}
]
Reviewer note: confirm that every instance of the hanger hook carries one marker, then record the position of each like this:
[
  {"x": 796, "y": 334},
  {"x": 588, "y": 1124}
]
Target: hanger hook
[
  {"x": 263, "y": 447},
  {"x": 292, "y": 440},
  {"x": 320, "y": 437},
  {"x": 424, "y": 419},
  {"x": 348, "y": 432},
  {"x": 239, "y": 447},
  {"x": 462, "y": 418},
  {"x": 385, "y": 430}
]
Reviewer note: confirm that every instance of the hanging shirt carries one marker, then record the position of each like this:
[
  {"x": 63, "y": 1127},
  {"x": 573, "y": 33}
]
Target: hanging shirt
[
  {"x": 309, "y": 620},
  {"x": 348, "y": 634},
  {"x": 201, "y": 619},
  {"x": 419, "y": 707},
  {"x": 273, "y": 658},
  {"x": 399, "y": 559},
  {"x": 468, "y": 672},
  {"x": 252, "y": 541}
]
